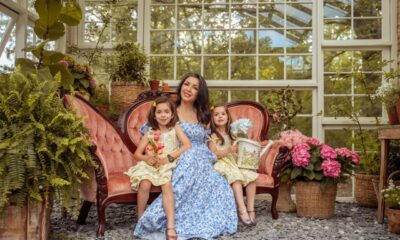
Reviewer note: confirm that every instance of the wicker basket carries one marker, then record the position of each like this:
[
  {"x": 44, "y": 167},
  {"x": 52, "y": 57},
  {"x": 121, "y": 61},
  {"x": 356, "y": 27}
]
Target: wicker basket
[
  {"x": 124, "y": 93},
  {"x": 312, "y": 202},
  {"x": 364, "y": 190}
]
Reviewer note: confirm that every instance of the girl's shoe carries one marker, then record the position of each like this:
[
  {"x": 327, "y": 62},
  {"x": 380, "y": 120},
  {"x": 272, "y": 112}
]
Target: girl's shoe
[
  {"x": 253, "y": 222},
  {"x": 170, "y": 237},
  {"x": 244, "y": 222}
]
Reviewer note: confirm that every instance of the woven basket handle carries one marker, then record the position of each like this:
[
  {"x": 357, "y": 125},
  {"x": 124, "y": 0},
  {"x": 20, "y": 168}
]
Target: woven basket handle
[{"x": 392, "y": 175}]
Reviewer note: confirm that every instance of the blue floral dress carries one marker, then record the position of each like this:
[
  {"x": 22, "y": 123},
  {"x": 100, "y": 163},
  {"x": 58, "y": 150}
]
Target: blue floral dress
[{"x": 204, "y": 202}]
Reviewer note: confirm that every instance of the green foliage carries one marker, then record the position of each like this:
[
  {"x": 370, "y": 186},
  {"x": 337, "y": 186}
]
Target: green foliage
[
  {"x": 391, "y": 195},
  {"x": 129, "y": 64},
  {"x": 53, "y": 14},
  {"x": 44, "y": 148},
  {"x": 286, "y": 104},
  {"x": 111, "y": 107}
]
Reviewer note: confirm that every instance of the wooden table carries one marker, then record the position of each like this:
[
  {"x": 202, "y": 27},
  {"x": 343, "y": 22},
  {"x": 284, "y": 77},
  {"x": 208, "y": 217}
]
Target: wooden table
[{"x": 385, "y": 134}]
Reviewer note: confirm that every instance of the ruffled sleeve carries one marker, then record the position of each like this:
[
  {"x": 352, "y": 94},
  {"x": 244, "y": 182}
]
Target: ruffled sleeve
[{"x": 144, "y": 128}]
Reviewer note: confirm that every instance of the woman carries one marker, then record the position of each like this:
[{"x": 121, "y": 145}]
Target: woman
[{"x": 204, "y": 202}]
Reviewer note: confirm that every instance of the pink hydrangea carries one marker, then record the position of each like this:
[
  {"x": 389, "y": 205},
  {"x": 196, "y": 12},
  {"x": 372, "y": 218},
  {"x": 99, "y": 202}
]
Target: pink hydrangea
[
  {"x": 291, "y": 138},
  {"x": 331, "y": 168},
  {"x": 355, "y": 157},
  {"x": 313, "y": 141},
  {"x": 327, "y": 153},
  {"x": 343, "y": 152},
  {"x": 301, "y": 156}
]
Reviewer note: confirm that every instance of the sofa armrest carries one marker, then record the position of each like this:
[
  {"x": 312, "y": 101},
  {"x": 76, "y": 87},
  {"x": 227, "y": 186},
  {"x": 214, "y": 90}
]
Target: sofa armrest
[{"x": 274, "y": 161}]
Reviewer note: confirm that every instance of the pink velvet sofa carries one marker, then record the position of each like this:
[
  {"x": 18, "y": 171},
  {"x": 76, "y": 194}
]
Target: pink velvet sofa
[{"x": 268, "y": 180}]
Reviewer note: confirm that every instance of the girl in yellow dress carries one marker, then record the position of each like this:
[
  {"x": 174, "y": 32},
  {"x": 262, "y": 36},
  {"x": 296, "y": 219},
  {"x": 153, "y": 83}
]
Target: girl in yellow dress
[
  {"x": 221, "y": 146},
  {"x": 157, "y": 151}
]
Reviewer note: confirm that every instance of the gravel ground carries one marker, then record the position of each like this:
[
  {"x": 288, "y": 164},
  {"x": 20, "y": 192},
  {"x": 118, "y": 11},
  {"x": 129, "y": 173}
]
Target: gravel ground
[{"x": 350, "y": 222}]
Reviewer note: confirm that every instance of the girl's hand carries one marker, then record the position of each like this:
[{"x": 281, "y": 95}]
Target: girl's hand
[
  {"x": 163, "y": 160},
  {"x": 151, "y": 160},
  {"x": 233, "y": 148}
]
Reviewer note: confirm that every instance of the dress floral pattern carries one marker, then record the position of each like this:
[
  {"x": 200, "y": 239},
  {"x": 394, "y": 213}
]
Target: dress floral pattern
[
  {"x": 228, "y": 167},
  {"x": 157, "y": 176},
  {"x": 204, "y": 202}
]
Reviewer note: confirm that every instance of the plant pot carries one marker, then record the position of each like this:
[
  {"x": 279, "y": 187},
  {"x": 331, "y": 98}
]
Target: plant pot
[
  {"x": 31, "y": 221},
  {"x": 285, "y": 202},
  {"x": 364, "y": 190},
  {"x": 165, "y": 87},
  {"x": 154, "y": 85},
  {"x": 312, "y": 202},
  {"x": 392, "y": 116},
  {"x": 124, "y": 93},
  {"x": 393, "y": 220},
  {"x": 398, "y": 111}
]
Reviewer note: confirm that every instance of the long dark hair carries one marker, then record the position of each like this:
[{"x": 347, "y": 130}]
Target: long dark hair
[
  {"x": 151, "y": 117},
  {"x": 201, "y": 103},
  {"x": 213, "y": 127}
]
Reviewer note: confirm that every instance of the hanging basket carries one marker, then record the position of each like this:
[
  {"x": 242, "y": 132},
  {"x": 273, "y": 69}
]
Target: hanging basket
[
  {"x": 364, "y": 190},
  {"x": 124, "y": 93},
  {"x": 312, "y": 202}
]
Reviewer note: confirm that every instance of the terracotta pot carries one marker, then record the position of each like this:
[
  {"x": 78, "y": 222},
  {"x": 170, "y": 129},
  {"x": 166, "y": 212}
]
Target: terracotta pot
[
  {"x": 393, "y": 115},
  {"x": 154, "y": 85},
  {"x": 314, "y": 202},
  {"x": 165, "y": 87},
  {"x": 393, "y": 220}
]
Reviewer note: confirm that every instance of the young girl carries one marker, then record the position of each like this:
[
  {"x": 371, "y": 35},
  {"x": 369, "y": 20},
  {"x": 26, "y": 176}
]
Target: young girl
[
  {"x": 161, "y": 147},
  {"x": 221, "y": 146}
]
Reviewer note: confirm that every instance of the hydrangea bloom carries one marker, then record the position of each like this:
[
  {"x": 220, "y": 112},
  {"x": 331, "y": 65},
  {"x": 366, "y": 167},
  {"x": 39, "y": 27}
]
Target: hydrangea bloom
[
  {"x": 241, "y": 126},
  {"x": 291, "y": 138},
  {"x": 328, "y": 153},
  {"x": 301, "y": 156},
  {"x": 331, "y": 168},
  {"x": 313, "y": 141}
]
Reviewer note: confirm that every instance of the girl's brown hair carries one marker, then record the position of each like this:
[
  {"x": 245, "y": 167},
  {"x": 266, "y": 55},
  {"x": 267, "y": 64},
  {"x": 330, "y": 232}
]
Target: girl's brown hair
[
  {"x": 213, "y": 127},
  {"x": 151, "y": 117}
]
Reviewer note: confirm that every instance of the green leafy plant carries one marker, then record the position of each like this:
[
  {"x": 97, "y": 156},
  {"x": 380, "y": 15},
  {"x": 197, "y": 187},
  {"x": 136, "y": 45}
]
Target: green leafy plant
[
  {"x": 391, "y": 195},
  {"x": 128, "y": 64},
  {"x": 102, "y": 101},
  {"x": 43, "y": 147},
  {"x": 284, "y": 105}
]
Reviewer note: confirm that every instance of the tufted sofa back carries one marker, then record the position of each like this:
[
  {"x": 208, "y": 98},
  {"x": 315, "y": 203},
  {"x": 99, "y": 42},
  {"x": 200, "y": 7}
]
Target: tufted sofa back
[
  {"x": 259, "y": 117},
  {"x": 111, "y": 148}
]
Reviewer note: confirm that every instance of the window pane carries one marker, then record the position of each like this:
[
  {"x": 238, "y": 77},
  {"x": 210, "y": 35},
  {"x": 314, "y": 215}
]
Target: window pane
[
  {"x": 271, "y": 15},
  {"x": 243, "y": 41},
  {"x": 271, "y": 67},
  {"x": 7, "y": 57},
  {"x": 163, "y": 17},
  {"x": 243, "y": 16},
  {"x": 162, "y": 42},
  {"x": 332, "y": 103},
  {"x": 367, "y": 28},
  {"x": 218, "y": 96},
  {"x": 367, "y": 108},
  {"x": 4, "y": 21},
  {"x": 367, "y": 83},
  {"x": 338, "y": 138},
  {"x": 216, "y": 16},
  {"x": 189, "y": 42},
  {"x": 271, "y": 41},
  {"x": 216, "y": 68},
  {"x": 367, "y": 8},
  {"x": 337, "y": 29},
  {"x": 303, "y": 124},
  {"x": 187, "y": 64},
  {"x": 337, "y": 83},
  {"x": 189, "y": 16},
  {"x": 243, "y": 95},
  {"x": 162, "y": 68},
  {"x": 298, "y": 67},
  {"x": 299, "y": 15},
  {"x": 243, "y": 68},
  {"x": 299, "y": 41},
  {"x": 337, "y": 9},
  {"x": 216, "y": 42}
]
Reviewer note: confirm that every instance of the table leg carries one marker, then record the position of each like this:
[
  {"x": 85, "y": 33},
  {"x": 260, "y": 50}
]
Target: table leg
[{"x": 382, "y": 179}]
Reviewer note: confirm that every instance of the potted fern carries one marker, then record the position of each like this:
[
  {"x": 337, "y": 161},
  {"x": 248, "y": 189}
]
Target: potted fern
[{"x": 43, "y": 146}]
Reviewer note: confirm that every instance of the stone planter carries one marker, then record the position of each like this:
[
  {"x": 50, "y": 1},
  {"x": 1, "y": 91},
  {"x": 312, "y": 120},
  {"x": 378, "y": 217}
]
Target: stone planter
[
  {"x": 312, "y": 202},
  {"x": 364, "y": 190},
  {"x": 285, "y": 202},
  {"x": 393, "y": 220}
]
